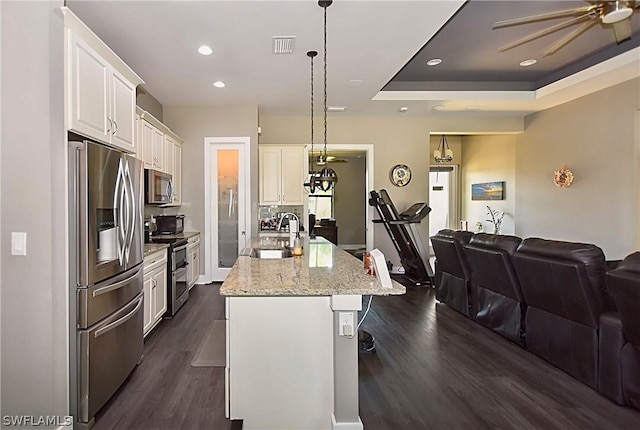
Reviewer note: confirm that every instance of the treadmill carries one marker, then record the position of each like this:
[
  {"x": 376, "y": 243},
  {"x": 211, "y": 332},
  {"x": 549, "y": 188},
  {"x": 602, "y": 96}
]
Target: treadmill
[{"x": 402, "y": 228}]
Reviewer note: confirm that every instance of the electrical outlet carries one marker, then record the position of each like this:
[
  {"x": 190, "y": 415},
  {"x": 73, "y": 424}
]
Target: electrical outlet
[{"x": 346, "y": 325}]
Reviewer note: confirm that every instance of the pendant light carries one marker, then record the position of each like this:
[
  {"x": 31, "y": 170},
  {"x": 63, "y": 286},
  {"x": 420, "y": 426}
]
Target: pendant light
[
  {"x": 312, "y": 182},
  {"x": 443, "y": 154},
  {"x": 327, "y": 178}
]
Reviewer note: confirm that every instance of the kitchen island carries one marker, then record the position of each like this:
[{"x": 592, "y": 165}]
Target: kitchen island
[{"x": 292, "y": 348}]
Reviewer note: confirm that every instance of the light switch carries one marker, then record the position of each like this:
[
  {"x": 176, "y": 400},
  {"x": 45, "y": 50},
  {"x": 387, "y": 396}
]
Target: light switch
[{"x": 18, "y": 243}]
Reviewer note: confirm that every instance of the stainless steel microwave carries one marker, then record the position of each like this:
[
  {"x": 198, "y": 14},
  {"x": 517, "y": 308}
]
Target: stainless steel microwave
[{"x": 158, "y": 187}]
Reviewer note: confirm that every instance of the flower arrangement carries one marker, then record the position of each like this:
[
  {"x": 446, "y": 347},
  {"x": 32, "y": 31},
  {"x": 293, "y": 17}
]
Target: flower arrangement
[{"x": 496, "y": 218}]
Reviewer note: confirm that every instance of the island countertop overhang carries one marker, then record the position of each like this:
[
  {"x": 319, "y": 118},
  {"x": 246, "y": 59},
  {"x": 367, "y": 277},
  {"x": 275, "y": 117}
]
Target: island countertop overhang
[{"x": 323, "y": 270}]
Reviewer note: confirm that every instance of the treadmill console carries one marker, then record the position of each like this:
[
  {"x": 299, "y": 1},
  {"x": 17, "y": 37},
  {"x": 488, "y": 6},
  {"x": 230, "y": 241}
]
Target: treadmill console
[{"x": 415, "y": 212}]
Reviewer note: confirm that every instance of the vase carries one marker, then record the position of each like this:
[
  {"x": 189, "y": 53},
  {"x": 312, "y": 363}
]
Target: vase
[{"x": 497, "y": 230}]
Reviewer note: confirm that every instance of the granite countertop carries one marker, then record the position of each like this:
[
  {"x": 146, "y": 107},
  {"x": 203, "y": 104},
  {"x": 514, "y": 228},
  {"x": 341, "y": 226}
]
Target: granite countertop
[
  {"x": 150, "y": 248},
  {"x": 183, "y": 235},
  {"x": 323, "y": 270}
]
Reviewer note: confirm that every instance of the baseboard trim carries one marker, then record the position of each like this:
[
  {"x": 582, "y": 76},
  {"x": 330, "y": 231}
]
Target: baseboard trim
[
  {"x": 351, "y": 246},
  {"x": 356, "y": 425}
]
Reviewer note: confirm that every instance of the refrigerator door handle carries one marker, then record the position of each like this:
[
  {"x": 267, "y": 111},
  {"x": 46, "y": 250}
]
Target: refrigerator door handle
[
  {"x": 119, "y": 321},
  {"x": 130, "y": 210},
  {"x": 112, "y": 287},
  {"x": 118, "y": 203}
]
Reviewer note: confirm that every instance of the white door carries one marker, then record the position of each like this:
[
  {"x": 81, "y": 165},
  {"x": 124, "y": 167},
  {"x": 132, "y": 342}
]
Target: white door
[
  {"x": 444, "y": 198},
  {"x": 228, "y": 208}
]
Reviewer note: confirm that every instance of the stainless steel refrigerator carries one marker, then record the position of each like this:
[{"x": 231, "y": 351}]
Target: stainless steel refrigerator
[{"x": 106, "y": 252}]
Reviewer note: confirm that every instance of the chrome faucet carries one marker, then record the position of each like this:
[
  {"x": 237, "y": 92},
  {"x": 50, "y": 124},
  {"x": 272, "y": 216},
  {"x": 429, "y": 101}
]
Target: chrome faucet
[{"x": 282, "y": 219}]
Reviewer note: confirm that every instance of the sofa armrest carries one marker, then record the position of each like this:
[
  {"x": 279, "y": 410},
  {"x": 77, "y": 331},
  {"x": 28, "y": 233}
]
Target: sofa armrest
[
  {"x": 611, "y": 340},
  {"x": 612, "y": 264}
]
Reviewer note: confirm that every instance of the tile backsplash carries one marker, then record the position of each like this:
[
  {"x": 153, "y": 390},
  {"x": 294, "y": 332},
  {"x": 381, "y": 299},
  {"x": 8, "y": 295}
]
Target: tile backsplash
[{"x": 268, "y": 216}]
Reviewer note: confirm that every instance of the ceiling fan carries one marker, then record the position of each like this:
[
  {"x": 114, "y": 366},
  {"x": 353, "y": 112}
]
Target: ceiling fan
[
  {"x": 615, "y": 14},
  {"x": 320, "y": 160}
]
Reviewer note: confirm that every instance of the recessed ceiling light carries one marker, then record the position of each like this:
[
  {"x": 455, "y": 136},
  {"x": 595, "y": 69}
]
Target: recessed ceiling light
[
  {"x": 438, "y": 107},
  {"x": 336, "y": 108},
  {"x": 527, "y": 63},
  {"x": 434, "y": 62},
  {"x": 473, "y": 108},
  {"x": 219, "y": 84},
  {"x": 403, "y": 109},
  {"x": 355, "y": 82},
  {"x": 205, "y": 50}
]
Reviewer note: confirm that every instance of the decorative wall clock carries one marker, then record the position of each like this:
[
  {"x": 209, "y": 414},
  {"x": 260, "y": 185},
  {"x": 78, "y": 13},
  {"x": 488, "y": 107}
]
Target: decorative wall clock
[{"x": 400, "y": 175}]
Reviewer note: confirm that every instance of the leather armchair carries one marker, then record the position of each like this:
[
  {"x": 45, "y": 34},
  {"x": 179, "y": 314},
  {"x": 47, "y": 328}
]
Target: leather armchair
[
  {"x": 452, "y": 269},
  {"x": 497, "y": 298},
  {"x": 619, "y": 377},
  {"x": 564, "y": 286}
]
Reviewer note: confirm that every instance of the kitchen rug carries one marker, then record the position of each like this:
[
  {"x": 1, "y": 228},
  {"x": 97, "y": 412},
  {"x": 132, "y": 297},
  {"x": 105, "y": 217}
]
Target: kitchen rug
[{"x": 212, "y": 352}]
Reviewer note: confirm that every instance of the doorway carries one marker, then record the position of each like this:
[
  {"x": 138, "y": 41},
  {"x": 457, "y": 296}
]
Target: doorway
[
  {"x": 443, "y": 198},
  {"x": 354, "y": 165},
  {"x": 227, "y": 203}
]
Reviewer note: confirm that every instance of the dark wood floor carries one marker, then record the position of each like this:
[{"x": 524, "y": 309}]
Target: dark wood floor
[{"x": 434, "y": 369}]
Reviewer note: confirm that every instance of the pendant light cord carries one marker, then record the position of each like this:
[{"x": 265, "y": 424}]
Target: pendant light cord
[
  {"x": 311, "y": 55},
  {"x": 325, "y": 84}
]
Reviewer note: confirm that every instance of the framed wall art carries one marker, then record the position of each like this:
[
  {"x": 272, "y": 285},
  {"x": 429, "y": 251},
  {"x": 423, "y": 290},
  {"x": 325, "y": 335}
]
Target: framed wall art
[{"x": 488, "y": 191}]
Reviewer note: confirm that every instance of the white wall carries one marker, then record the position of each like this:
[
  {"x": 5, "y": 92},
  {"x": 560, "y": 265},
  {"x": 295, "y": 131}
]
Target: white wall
[
  {"x": 488, "y": 159},
  {"x": 33, "y": 200},
  {"x": 193, "y": 124},
  {"x": 595, "y": 136}
]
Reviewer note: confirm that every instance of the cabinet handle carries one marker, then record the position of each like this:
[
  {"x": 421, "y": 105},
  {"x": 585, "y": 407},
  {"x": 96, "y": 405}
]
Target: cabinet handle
[
  {"x": 116, "y": 129},
  {"x": 110, "y": 125}
]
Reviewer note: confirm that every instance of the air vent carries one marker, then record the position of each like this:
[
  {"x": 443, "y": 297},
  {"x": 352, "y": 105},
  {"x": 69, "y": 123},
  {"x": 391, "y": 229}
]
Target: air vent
[{"x": 283, "y": 44}]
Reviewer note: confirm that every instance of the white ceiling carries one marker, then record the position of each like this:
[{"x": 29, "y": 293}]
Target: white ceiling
[{"x": 367, "y": 40}]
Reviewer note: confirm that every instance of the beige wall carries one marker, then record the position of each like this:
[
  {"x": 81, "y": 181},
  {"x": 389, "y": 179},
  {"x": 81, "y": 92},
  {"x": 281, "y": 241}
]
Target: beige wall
[
  {"x": 487, "y": 159},
  {"x": 594, "y": 137},
  {"x": 396, "y": 139},
  {"x": 33, "y": 170},
  {"x": 193, "y": 124},
  {"x": 350, "y": 201}
]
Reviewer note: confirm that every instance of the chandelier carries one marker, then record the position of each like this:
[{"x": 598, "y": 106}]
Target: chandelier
[
  {"x": 327, "y": 178},
  {"x": 443, "y": 154}
]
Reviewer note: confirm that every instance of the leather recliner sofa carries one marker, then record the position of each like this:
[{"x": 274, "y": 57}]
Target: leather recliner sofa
[
  {"x": 452, "y": 269},
  {"x": 496, "y": 295},
  {"x": 619, "y": 372},
  {"x": 564, "y": 286}
]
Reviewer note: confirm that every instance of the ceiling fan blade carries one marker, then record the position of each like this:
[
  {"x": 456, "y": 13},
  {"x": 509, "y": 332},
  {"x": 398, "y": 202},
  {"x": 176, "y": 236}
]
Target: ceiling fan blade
[
  {"x": 569, "y": 37},
  {"x": 545, "y": 32},
  {"x": 542, "y": 17},
  {"x": 622, "y": 30}
]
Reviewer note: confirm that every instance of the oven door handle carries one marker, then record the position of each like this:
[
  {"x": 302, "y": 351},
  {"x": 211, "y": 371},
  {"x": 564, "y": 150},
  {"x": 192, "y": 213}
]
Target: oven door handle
[{"x": 180, "y": 248}]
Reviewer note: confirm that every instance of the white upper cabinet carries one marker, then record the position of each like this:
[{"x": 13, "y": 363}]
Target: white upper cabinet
[
  {"x": 161, "y": 149},
  {"x": 123, "y": 108},
  {"x": 89, "y": 107},
  {"x": 281, "y": 175},
  {"x": 100, "y": 95}
]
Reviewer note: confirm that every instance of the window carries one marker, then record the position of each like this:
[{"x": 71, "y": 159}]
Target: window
[{"x": 321, "y": 204}]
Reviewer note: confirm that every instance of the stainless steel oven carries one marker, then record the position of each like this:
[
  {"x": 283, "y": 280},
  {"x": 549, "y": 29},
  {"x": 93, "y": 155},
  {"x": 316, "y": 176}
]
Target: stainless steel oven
[{"x": 179, "y": 291}]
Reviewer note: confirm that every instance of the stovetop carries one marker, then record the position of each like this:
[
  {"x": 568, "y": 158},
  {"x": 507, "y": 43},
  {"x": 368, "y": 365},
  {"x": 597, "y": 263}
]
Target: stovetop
[{"x": 171, "y": 241}]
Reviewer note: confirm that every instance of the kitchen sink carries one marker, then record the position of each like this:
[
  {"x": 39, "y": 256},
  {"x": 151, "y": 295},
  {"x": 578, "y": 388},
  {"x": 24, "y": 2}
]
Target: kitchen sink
[{"x": 270, "y": 253}]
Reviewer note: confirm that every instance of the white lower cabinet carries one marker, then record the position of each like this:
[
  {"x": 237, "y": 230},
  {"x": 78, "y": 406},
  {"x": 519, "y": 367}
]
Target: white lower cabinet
[
  {"x": 155, "y": 289},
  {"x": 193, "y": 257}
]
